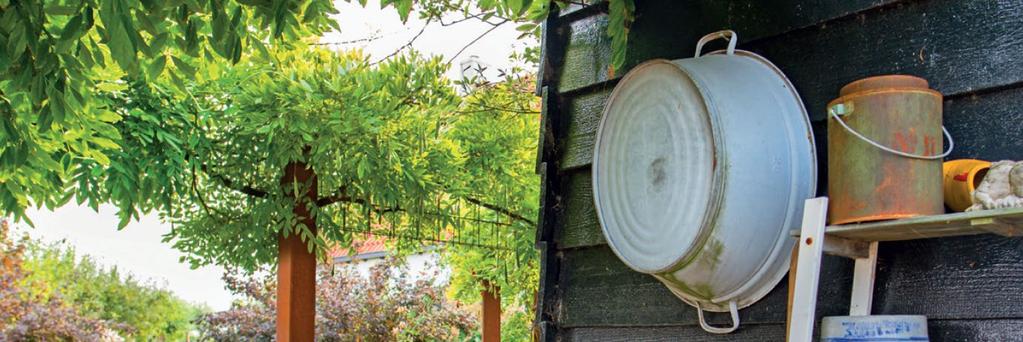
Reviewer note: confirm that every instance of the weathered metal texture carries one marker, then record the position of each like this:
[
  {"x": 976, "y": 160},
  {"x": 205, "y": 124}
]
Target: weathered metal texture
[
  {"x": 866, "y": 183},
  {"x": 296, "y": 266},
  {"x": 959, "y": 178},
  {"x": 700, "y": 169}
]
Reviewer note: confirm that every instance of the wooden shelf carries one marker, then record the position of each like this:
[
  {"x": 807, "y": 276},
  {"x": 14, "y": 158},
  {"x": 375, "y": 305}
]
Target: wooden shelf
[
  {"x": 859, "y": 242},
  {"x": 1005, "y": 222}
]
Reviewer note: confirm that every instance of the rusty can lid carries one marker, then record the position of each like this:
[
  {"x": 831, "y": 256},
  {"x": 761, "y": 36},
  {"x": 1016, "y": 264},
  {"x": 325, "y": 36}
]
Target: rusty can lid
[{"x": 883, "y": 82}]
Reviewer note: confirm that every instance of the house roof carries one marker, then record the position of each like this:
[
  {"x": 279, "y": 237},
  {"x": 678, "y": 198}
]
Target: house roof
[{"x": 368, "y": 247}]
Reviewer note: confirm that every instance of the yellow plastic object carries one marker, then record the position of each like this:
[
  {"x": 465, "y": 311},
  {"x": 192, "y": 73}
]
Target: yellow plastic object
[{"x": 960, "y": 178}]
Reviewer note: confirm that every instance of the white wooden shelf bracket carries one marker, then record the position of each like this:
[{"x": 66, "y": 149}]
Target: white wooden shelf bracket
[
  {"x": 811, "y": 249},
  {"x": 813, "y": 243}
]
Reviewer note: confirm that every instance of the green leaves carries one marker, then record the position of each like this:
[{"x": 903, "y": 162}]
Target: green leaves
[
  {"x": 620, "y": 18},
  {"x": 156, "y": 67},
  {"x": 182, "y": 66},
  {"x": 404, "y": 7},
  {"x": 54, "y": 72},
  {"x": 75, "y": 27},
  {"x": 120, "y": 34}
]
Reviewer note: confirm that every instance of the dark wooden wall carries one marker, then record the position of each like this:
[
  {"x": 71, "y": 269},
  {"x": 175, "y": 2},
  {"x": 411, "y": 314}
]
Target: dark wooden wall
[{"x": 970, "y": 288}]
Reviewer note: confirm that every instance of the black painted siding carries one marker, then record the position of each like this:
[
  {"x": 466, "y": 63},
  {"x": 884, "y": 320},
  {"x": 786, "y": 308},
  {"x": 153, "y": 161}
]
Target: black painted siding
[{"x": 971, "y": 288}]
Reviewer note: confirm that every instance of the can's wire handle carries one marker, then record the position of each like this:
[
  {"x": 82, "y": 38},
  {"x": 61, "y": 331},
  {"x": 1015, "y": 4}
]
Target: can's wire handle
[
  {"x": 833, "y": 111},
  {"x": 723, "y": 34},
  {"x": 716, "y": 330}
]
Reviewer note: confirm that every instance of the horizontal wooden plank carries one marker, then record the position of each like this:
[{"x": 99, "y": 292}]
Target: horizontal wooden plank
[
  {"x": 599, "y": 290},
  {"x": 748, "y": 332},
  {"x": 587, "y": 54},
  {"x": 986, "y": 126},
  {"x": 581, "y": 9},
  {"x": 584, "y": 112},
  {"x": 1002, "y": 221},
  {"x": 959, "y": 46},
  {"x": 670, "y": 29},
  {"x": 581, "y": 227},
  {"x": 974, "y": 277},
  {"x": 1001, "y": 330}
]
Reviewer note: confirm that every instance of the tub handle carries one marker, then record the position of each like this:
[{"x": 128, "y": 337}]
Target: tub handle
[
  {"x": 717, "y": 330},
  {"x": 723, "y": 34},
  {"x": 840, "y": 109}
]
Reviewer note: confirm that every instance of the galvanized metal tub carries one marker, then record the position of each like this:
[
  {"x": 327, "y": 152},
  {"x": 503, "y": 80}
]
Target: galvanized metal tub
[{"x": 700, "y": 169}]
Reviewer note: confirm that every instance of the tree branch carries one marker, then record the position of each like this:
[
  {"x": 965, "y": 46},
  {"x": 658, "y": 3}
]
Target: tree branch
[
  {"x": 245, "y": 189},
  {"x": 496, "y": 25},
  {"x": 341, "y": 195},
  {"x": 202, "y": 200},
  {"x": 486, "y": 108},
  {"x": 498, "y": 209},
  {"x": 352, "y": 41},
  {"x": 407, "y": 45}
]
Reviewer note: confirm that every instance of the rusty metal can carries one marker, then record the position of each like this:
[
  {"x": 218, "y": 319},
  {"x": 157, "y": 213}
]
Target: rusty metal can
[{"x": 884, "y": 150}]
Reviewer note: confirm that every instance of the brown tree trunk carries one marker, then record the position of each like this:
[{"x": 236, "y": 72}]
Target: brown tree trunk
[{"x": 296, "y": 268}]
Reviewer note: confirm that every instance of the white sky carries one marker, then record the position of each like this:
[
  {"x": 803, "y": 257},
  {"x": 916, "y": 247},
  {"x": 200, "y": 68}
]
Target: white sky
[{"x": 137, "y": 249}]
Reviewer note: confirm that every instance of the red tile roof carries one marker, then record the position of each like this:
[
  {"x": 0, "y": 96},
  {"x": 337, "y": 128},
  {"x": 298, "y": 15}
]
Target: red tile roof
[{"x": 362, "y": 245}]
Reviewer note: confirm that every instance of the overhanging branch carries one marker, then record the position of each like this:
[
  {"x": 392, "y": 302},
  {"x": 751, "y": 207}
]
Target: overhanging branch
[
  {"x": 341, "y": 195},
  {"x": 501, "y": 210},
  {"x": 228, "y": 183}
]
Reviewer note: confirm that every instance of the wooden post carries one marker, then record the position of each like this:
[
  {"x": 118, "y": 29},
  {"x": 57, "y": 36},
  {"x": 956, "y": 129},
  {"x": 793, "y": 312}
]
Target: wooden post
[
  {"x": 491, "y": 312},
  {"x": 296, "y": 268}
]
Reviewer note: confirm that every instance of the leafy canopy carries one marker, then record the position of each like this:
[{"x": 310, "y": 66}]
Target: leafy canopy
[
  {"x": 375, "y": 135},
  {"x": 62, "y": 84},
  {"x": 57, "y": 53},
  {"x": 193, "y": 108}
]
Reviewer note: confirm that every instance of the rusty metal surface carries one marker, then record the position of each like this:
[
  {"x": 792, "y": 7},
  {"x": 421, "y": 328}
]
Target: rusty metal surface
[{"x": 868, "y": 184}]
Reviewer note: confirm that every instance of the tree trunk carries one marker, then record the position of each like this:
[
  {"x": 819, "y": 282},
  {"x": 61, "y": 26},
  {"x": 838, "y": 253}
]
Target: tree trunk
[{"x": 296, "y": 268}]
